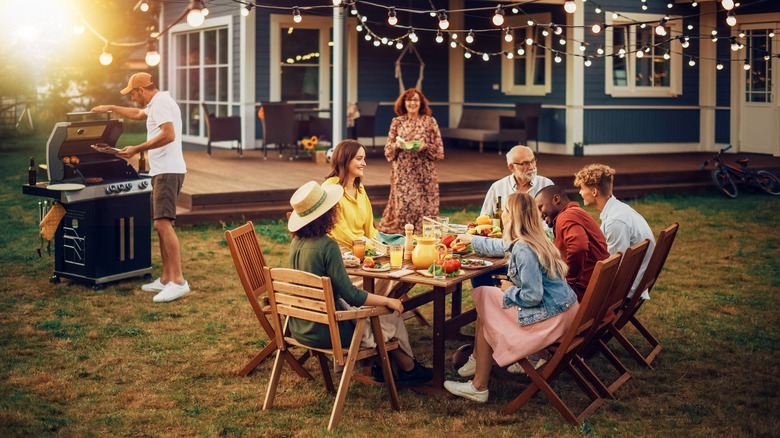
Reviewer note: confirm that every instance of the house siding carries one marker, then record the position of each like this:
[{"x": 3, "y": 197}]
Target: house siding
[{"x": 611, "y": 126}]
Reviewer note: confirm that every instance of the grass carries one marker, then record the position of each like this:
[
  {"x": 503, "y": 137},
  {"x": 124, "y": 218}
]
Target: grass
[{"x": 79, "y": 362}]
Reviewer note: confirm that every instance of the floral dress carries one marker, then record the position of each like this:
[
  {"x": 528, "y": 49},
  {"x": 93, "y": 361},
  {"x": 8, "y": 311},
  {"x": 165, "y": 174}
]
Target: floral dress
[{"x": 414, "y": 184}]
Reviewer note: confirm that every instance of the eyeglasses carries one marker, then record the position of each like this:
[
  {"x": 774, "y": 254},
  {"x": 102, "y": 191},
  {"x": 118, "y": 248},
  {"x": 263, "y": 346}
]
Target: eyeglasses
[{"x": 525, "y": 163}]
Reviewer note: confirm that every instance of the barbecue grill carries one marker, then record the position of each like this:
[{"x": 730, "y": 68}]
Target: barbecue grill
[{"x": 105, "y": 234}]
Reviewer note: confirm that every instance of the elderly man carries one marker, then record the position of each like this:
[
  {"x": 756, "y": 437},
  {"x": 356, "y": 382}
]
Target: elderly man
[
  {"x": 167, "y": 169},
  {"x": 523, "y": 178},
  {"x": 577, "y": 236},
  {"x": 621, "y": 224}
]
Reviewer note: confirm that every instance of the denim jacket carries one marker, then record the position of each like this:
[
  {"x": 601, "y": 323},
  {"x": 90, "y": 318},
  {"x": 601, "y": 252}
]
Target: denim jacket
[{"x": 536, "y": 296}]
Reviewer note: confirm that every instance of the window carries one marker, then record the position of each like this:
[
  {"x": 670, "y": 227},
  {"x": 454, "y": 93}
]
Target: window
[
  {"x": 201, "y": 73},
  {"x": 657, "y": 73},
  {"x": 528, "y": 72},
  {"x": 758, "y": 80},
  {"x": 300, "y": 64}
]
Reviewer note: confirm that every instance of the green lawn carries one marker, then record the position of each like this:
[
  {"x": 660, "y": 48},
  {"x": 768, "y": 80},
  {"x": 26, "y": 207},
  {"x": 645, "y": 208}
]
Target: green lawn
[{"x": 79, "y": 362}]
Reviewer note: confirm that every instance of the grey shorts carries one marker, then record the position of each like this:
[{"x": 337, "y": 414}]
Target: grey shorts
[{"x": 165, "y": 192}]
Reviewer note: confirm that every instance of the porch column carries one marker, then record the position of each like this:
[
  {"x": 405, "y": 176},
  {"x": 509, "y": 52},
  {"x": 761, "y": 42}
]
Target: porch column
[
  {"x": 456, "y": 80},
  {"x": 707, "y": 79},
  {"x": 339, "y": 112},
  {"x": 575, "y": 80},
  {"x": 248, "y": 112}
]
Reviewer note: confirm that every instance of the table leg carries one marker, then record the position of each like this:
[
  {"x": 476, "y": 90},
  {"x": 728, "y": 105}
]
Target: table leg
[
  {"x": 439, "y": 293},
  {"x": 457, "y": 300},
  {"x": 368, "y": 284}
]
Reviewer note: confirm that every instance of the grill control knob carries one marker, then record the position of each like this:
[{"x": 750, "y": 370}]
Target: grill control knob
[
  {"x": 108, "y": 189},
  {"x": 129, "y": 186},
  {"x": 143, "y": 184},
  {"x": 121, "y": 187},
  {"x": 112, "y": 188}
]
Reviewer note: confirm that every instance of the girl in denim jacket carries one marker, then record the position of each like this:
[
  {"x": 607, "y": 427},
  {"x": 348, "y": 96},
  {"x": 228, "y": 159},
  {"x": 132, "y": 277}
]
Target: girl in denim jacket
[{"x": 524, "y": 315}]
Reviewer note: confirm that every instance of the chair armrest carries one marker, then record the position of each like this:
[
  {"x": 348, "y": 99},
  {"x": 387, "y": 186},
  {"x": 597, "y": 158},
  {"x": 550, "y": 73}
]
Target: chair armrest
[{"x": 363, "y": 312}]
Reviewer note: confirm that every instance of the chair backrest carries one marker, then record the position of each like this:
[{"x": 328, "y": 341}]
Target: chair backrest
[
  {"x": 592, "y": 308},
  {"x": 279, "y": 123},
  {"x": 528, "y": 114},
  {"x": 303, "y": 295},
  {"x": 626, "y": 275},
  {"x": 322, "y": 127},
  {"x": 249, "y": 261},
  {"x": 367, "y": 108},
  {"x": 206, "y": 117}
]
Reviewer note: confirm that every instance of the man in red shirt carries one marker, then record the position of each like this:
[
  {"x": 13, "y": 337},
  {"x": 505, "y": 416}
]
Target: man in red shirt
[{"x": 577, "y": 236}]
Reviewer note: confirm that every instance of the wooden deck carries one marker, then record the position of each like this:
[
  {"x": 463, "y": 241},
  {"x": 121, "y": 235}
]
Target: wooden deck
[{"x": 228, "y": 188}]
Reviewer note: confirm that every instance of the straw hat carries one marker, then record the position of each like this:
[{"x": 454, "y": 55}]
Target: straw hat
[{"x": 311, "y": 201}]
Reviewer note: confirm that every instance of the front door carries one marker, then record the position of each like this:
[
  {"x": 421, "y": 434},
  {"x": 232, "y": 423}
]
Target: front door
[{"x": 758, "y": 128}]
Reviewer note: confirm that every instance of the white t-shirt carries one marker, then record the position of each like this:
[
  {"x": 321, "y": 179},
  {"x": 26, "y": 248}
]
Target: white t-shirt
[
  {"x": 624, "y": 227},
  {"x": 168, "y": 158},
  {"x": 505, "y": 187}
]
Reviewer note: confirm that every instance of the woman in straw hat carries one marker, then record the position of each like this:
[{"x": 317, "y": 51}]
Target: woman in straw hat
[{"x": 315, "y": 212}]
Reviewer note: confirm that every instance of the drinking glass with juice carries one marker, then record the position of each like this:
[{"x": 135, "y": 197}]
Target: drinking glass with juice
[
  {"x": 396, "y": 256},
  {"x": 359, "y": 249}
]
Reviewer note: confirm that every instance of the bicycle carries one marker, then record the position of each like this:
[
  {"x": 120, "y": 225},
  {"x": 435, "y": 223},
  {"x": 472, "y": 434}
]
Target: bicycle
[{"x": 726, "y": 177}]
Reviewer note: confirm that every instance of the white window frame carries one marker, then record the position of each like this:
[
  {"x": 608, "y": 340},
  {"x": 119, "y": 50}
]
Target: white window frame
[
  {"x": 208, "y": 24},
  {"x": 508, "y": 86},
  {"x": 323, "y": 24},
  {"x": 673, "y": 26}
]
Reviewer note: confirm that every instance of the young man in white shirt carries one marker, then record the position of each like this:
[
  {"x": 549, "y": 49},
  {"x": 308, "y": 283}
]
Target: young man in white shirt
[
  {"x": 523, "y": 178},
  {"x": 621, "y": 224},
  {"x": 167, "y": 169}
]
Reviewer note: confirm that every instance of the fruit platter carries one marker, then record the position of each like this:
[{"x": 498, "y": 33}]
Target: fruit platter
[
  {"x": 483, "y": 226},
  {"x": 369, "y": 264}
]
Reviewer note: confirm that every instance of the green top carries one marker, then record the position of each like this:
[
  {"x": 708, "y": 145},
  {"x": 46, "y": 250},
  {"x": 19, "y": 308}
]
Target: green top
[{"x": 321, "y": 256}]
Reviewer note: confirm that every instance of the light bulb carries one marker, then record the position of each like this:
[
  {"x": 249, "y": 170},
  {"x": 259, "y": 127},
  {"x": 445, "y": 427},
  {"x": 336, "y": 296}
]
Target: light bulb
[
  {"x": 767, "y": 57},
  {"x": 771, "y": 34},
  {"x": 692, "y": 62},
  {"x": 569, "y": 6},
  {"x": 470, "y": 37},
  {"x": 336, "y": 2},
  {"x": 439, "y": 37},
  {"x": 443, "y": 23},
  {"x": 667, "y": 56},
  {"x": 195, "y": 17},
  {"x": 727, "y": 4},
  {"x": 106, "y": 57},
  {"x": 644, "y": 7},
  {"x": 622, "y": 51},
  {"x": 384, "y": 40},
  {"x": 734, "y": 45},
  {"x": 467, "y": 55},
  {"x": 714, "y": 32},
  {"x": 660, "y": 30},
  {"x": 529, "y": 41},
  {"x": 509, "y": 55},
  {"x": 685, "y": 43},
  {"x": 597, "y": 10},
  {"x": 747, "y": 65},
  {"x": 392, "y": 20},
  {"x": 643, "y": 25},
  {"x": 367, "y": 37},
  {"x": 640, "y": 54},
  {"x": 152, "y": 58},
  {"x": 297, "y": 15},
  {"x": 359, "y": 27},
  {"x": 508, "y": 36},
  {"x": 587, "y": 62},
  {"x": 600, "y": 50},
  {"x": 596, "y": 28},
  {"x": 376, "y": 43},
  {"x": 690, "y": 27},
  {"x": 558, "y": 58},
  {"x": 144, "y": 6},
  {"x": 453, "y": 44},
  {"x": 498, "y": 17},
  {"x": 205, "y": 12},
  {"x": 731, "y": 19},
  {"x": 582, "y": 47},
  {"x": 694, "y": 4},
  {"x": 78, "y": 29},
  {"x": 485, "y": 57},
  {"x": 454, "y": 36},
  {"x": 363, "y": 19},
  {"x": 670, "y": 5},
  {"x": 562, "y": 41},
  {"x": 530, "y": 22},
  {"x": 558, "y": 30},
  {"x": 515, "y": 10},
  {"x": 614, "y": 16},
  {"x": 399, "y": 45},
  {"x": 545, "y": 33},
  {"x": 719, "y": 66},
  {"x": 520, "y": 51},
  {"x": 413, "y": 36}
]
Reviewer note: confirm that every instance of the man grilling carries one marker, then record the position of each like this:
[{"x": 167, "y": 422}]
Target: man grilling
[{"x": 167, "y": 169}]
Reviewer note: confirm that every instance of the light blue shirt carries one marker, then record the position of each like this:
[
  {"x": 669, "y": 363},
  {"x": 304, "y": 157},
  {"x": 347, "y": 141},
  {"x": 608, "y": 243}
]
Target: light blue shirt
[
  {"x": 505, "y": 187},
  {"x": 623, "y": 227}
]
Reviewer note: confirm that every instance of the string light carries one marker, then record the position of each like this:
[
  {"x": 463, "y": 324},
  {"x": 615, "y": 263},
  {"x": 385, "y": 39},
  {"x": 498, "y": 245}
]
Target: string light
[
  {"x": 359, "y": 27},
  {"x": 106, "y": 57},
  {"x": 660, "y": 30},
  {"x": 685, "y": 43},
  {"x": 582, "y": 47},
  {"x": 690, "y": 26},
  {"x": 771, "y": 34},
  {"x": 508, "y": 35},
  {"x": 562, "y": 41},
  {"x": 439, "y": 37},
  {"x": 297, "y": 15},
  {"x": 470, "y": 36},
  {"x": 600, "y": 50},
  {"x": 443, "y": 23},
  {"x": 531, "y": 22},
  {"x": 557, "y": 58},
  {"x": 392, "y": 20},
  {"x": 694, "y": 4},
  {"x": 520, "y": 51},
  {"x": 152, "y": 55},
  {"x": 727, "y": 4},
  {"x": 453, "y": 44},
  {"x": 529, "y": 41},
  {"x": 195, "y": 16},
  {"x": 336, "y": 2},
  {"x": 640, "y": 53},
  {"x": 587, "y": 62},
  {"x": 569, "y": 6},
  {"x": 691, "y": 61},
  {"x": 667, "y": 56},
  {"x": 509, "y": 55},
  {"x": 670, "y": 5},
  {"x": 413, "y": 36},
  {"x": 719, "y": 66},
  {"x": 205, "y": 11},
  {"x": 144, "y": 6},
  {"x": 467, "y": 55},
  {"x": 247, "y": 9},
  {"x": 734, "y": 44},
  {"x": 597, "y": 10},
  {"x": 545, "y": 33},
  {"x": 731, "y": 19},
  {"x": 598, "y": 27},
  {"x": 614, "y": 16},
  {"x": 485, "y": 57},
  {"x": 498, "y": 17},
  {"x": 746, "y": 66},
  {"x": 557, "y": 29}
]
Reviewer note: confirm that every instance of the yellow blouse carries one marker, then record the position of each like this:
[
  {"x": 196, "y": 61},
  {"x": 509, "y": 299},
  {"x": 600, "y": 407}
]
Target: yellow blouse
[{"x": 356, "y": 217}]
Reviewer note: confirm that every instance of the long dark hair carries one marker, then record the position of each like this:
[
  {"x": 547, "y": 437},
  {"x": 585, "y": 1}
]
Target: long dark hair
[
  {"x": 320, "y": 226},
  {"x": 339, "y": 162},
  {"x": 400, "y": 108}
]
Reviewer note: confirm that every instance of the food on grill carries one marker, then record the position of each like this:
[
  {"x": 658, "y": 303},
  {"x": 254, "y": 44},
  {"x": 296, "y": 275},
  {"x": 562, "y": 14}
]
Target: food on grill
[
  {"x": 66, "y": 160},
  {"x": 93, "y": 179},
  {"x": 74, "y": 160}
]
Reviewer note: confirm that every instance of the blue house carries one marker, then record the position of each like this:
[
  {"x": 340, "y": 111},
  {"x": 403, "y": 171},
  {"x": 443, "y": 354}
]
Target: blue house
[{"x": 608, "y": 80}]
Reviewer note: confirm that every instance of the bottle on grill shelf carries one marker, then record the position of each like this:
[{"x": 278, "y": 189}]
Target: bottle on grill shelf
[
  {"x": 497, "y": 214},
  {"x": 142, "y": 163},
  {"x": 32, "y": 175}
]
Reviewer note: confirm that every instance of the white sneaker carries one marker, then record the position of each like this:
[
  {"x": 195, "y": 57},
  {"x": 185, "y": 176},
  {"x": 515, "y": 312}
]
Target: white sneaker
[
  {"x": 515, "y": 368},
  {"x": 172, "y": 291},
  {"x": 466, "y": 390},
  {"x": 469, "y": 368},
  {"x": 155, "y": 286}
]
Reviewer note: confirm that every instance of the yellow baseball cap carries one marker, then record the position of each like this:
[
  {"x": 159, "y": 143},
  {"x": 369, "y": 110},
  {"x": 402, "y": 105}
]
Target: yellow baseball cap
[{"x": 138, "y": 80}]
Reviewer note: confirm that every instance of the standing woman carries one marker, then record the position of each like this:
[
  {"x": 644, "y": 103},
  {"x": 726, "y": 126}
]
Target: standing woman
[
  {"x": 526, "y": 314},
  {"x": 414, "y": 184}
]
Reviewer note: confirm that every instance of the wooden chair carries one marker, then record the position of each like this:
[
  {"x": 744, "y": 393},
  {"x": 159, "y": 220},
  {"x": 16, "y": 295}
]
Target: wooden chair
[
  {"x": 590, "y": 312},
  {"x": 306, "y": 296},
  {"x": 222, "y": 129},
  {"x": 626, "y": 274},
  {"x": 249, "y": 262},
  {"x": 628, "y": 312},
  {"x": 280, "y": 127}
]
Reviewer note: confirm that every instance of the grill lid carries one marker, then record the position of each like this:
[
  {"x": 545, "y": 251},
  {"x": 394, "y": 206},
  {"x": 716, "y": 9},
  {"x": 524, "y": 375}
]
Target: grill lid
[{"x": 71, "y": 157}]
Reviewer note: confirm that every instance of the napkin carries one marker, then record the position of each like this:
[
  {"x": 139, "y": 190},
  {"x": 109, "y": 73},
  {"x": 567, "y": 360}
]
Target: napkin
[
  {"x": 400, "y": 273},
  {"x": 391, "y": 239}
]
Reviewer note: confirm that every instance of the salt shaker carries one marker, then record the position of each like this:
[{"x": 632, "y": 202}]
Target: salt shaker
[{"x": 408, "y": 247}]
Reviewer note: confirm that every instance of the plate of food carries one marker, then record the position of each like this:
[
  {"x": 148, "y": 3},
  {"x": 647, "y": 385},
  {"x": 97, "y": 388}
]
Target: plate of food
[
  {"x": 475, "y": 263},
  {"x": 350, "y": 261},
  {"x": 378, "y": 267},
  {"x": 426, "y": 273}
]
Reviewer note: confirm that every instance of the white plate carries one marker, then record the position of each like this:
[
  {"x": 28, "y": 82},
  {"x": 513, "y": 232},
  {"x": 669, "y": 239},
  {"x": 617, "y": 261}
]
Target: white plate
[
  {"x": 424, "y": 272},
  {"x": 385, "y": 269},
  {"x": 487, "y": 263},
  {"x": 66, "y": 186},
  {"x": 378, "y": 254}
]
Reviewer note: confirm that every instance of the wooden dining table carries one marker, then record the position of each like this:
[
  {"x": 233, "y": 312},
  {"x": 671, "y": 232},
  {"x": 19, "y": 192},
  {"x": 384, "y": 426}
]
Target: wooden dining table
[{"x": 443, "y": 327}]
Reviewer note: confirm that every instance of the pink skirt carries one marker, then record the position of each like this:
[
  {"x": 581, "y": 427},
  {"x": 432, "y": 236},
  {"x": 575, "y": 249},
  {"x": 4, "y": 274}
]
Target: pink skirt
[{"x": 510, "y": 340}]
